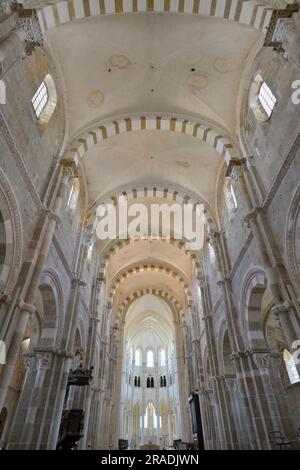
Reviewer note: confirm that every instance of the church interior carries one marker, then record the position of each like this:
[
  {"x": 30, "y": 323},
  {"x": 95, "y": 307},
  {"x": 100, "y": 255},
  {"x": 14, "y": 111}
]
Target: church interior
[{"x": 147, "y": 342}]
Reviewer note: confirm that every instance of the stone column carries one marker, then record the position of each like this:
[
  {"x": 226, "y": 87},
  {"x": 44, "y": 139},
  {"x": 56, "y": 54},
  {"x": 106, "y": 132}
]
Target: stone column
[
  {"x": 181, "y": 366},
  {"x": 234, "y": 416},
  {"x": 97, "y": 294},
  {"x": 285, "y": 317},
  {"x": 207, "y": 420},
  {"x": 130, "y": 427},
  {"x": 276, "y": 415},
  {"x": 270, "y": 258},
  {"x": 98, "y": 398},
  {"x": 51, "y": 386},
  {"x": 28, "y": 283},
  {"x": 217, "y": 385},
  {"x": 235, "y": 336}
]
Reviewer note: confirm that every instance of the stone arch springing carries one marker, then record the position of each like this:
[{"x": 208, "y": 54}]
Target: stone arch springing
[{"x": 253, "y": 14}]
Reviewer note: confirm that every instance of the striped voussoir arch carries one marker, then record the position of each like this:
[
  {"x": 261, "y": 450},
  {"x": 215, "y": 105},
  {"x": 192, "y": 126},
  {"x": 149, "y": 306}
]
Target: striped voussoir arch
[
  {"x": 254, "y": 295},
  {"x": 254, "y": 14},
  {"x": 157, "y": 292},
  {"x": 206, "y": 134},
  {"x": 4, "y": 268},
  {"x": 147, "y": 268},
  {"x": 159, "y": 192},
  {"x": 11, "y": 240},
  {"x": 156, "y": 192},
  {"x": 119, "y": 244},
  {"x": 180, "y": 245}
]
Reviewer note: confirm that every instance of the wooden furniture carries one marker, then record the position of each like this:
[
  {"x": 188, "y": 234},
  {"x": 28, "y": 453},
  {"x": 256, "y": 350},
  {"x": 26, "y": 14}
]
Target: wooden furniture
[
  {"x": 280, "y": 441},
  {"x": 123, "y": 444},
  {"x": 196, "y": 421},
  {"x": 149, "y": 447}
]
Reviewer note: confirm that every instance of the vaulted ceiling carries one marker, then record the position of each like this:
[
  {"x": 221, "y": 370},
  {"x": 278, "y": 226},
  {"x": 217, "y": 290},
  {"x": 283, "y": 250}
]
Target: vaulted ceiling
[
  {"x": 185, "y": 67},
  {"x": 149, "y": 324},
  {"x": 126, "y": 63}
]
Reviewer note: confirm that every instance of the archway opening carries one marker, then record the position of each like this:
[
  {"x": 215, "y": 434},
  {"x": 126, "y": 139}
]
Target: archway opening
[{"x": 149, "y": 357}]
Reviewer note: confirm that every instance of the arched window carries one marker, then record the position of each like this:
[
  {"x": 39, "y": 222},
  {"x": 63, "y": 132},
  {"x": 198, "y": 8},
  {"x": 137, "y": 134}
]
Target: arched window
[
  {"x": 267, "y": 99},
  {"x": 44, "y": 100},
  {"x": 73, "y": 195},
  {"x": 163, "y": 381},
  {"x": 262, "y": 100},
  {"x": 148, "y": 382},
  {"x": 291, "y": 367},
  {"x": 135, "y": 381},
  {"x": 162, "y": 357},
  {"x": 150, "y": 358},
  {"x": 90, "y": 250},
  {"x": 229, "y": 195},
  {"x": 139, "y": 381},
  {"x": 138, "y": 357},
  {"x": 152, "y": 382},
  {"x": 40, "y": 99}
]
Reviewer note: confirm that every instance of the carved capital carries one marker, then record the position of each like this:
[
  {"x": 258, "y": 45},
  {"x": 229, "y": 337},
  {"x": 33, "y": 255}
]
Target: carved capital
[
  {"x": 239, "y": 355},
  {"x": 75, "y": 281},
  {"x": 283, "y": 308},
  {"x": 223, "y": 281},
  {"x": 214, "y": 237},
  {"x": 236, "y": 168},
  {"x": 44, "y": 360},
  {"x": 29, "y": 24},
  {"x": 29, "y": 360},
  {"x": 4, "y": 299},
  {"x": 24, "y": 307},
  {"x": 69, "y": 167},
  {"x": 262, "y": 359},
  {"x": 54, "y": 217}
]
